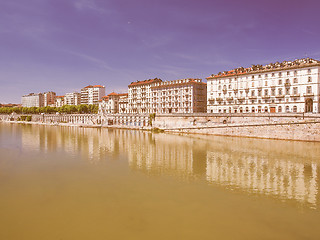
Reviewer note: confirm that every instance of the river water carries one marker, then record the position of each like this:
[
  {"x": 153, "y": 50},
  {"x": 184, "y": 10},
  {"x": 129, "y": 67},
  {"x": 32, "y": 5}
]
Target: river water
[{"x": 85, "y": 183}]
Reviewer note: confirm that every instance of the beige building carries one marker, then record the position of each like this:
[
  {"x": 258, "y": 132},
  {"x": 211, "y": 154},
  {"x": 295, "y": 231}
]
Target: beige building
[
  {"x": 92, "y": 94},
  {"x": 72, "y": 98},
  {"x": 32, "y": 100},
  {"x": 179, "y": 96},
  {"x": 290, "y": 86}
]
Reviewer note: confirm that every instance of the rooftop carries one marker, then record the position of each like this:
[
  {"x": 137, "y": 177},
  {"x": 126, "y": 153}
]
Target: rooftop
[
  {"x": 148, "y": 81},
  {"x": 269, "y": 67}
]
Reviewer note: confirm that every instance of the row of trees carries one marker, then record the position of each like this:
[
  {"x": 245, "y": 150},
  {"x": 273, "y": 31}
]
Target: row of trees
[{"x": 83, "y": 108}]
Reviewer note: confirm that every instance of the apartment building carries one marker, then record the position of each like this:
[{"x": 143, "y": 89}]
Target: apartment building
[
  {"x": 92, "y": 94},
  {"x": 140, "y": 96},
  {"x": 114, "y": 103},
  {"x": 32, "y": 100},
  {"x": 179, "y": 96},
  {"x": 49, "y": 98},
  {"x": 59, "y": 102},
  {"x": 72, "y": 98},
  {"x": 289, "y": 86}
]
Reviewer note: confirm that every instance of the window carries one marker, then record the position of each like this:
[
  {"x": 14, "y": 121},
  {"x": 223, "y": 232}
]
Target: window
[
  {"x": 288, "y": 73},
  {"x": 279, "y": 109},
  {"x": 309, "y": 71},
  {"x": 252, "y": 77},
  {"x": 272, "y": 74},
  {"x": 309, "y": 79},
  {"x": 295, "y": 108},
  {"x": 280, "y": 74},
  {"x": 295, "y": 73},
  {"x": 280, "y": 91},
  {"x": 259, "y": 76},
  {"x": 259, "y": 93},
  {"x": 295, "y": 80},
  {"x": 309, "y": 89},
  {"x": 266, "y": 92},
  {"x": 266, "y": 75},
  {"x": 266, "y": 83},
  {"x": 252, "y": 93},
  {"x": 287, "y": 91},
  {"x": 273, "y": 92},
  {"x": 287, "y": 108},
  {"x": 280, "y": 81},
  {"x": 230, "y": 80},
  {"x": 252, "y": 84},
  {"x": 295, "y": 90}
]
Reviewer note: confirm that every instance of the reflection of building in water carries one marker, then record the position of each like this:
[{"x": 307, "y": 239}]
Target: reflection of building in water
[
  {"x": 284, "y": 178},
  {"x": 161, "y": 153}
]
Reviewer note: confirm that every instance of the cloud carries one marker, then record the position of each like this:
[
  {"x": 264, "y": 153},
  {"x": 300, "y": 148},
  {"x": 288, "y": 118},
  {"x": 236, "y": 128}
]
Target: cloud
[{"x": 82, "y": 5}]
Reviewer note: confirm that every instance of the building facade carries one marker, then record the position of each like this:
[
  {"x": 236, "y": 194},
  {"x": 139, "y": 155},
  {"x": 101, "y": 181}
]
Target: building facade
[
  {"x": 157, "y": 96},
  {"x": 290, "y": 86},
  {"x": 113, "y": 103},
  {"x": 140, "y": 96},
  {"x": 92, "y": 94},
  {"x": 49, "y": 98},
  {"x": 59, "y": 102},
  {"x": 72, "y": 98},
  {"x": 179, "y": 96},
  {"x": 32, "y": 100}
]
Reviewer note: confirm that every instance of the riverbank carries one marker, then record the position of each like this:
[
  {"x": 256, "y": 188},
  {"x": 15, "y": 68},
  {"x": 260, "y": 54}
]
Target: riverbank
[{"x": 297, "y": 127}]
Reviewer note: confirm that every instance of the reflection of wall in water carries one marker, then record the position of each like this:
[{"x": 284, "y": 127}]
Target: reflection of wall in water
[{"x": 283, "y": 178}]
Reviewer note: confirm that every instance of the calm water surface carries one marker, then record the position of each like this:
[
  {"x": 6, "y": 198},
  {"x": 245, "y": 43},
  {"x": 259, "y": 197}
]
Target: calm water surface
[{"x": 76, "y": 183}]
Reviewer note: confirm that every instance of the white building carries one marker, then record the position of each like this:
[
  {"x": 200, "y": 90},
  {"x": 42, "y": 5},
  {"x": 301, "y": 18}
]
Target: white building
[
  {"x": 72, "y": 98},
  {"x": 92, "y": 94},
  {"x": 179, "y": 96},
  {"x": 157, "y": 96},
  {"x": 32, "y": 100},
  {"x": 113, "y": 103},
  {"x": 290, "y": 86},
  {"x": 59, "y": 102},
  {"x": 140, "y": 96}
]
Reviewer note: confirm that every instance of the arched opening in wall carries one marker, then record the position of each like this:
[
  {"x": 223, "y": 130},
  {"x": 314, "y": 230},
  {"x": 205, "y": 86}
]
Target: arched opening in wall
[
  {"x": 295, "y": 109},
  {"x": 224, "y": 110},
  {"x": 279, "y": 109},
  {"x": 219, "y": 110},
  {"x": 266, "y": 109},
  {"x": 247, "y": 109},
  {"x": 308, "y": 105},
  {"x": 230, "y": 111},
  {"x": 287, "y": 109},
  {"x": 259, "y": 109},
  {"x": 212, "y": 110},
  {"x": 252, "y": 109},
  {"x": 170, "y": 110},
  {"x": 240, "y": 109}
]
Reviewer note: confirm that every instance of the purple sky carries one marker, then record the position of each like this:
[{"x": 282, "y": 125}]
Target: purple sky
[{"x": 64, "y": 45}]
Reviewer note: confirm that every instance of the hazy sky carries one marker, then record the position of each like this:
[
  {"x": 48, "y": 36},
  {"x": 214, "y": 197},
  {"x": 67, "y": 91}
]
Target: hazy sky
[{"x": 64, "y": 45}]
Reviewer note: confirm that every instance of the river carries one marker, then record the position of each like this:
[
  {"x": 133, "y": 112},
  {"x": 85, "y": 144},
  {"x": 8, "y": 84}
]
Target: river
[{"x": 88, "y": 183}]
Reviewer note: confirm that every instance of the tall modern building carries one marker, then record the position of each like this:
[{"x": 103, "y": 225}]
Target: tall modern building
[
  {"x": 32, "y": 100},
  {"x": 289, "y": 86},
  {"x": 72, "y": 98},
  {"x": 92, "y": 94},
  {"x": 49, "y": 98}
]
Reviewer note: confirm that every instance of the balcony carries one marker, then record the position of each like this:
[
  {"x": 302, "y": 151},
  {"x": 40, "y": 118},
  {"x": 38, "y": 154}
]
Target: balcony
[
  {"x": 287, "y": 85},
  {"x": 280, "y": 96},
  {"x": 219, "y": 99},
  {"x": 308, "y": 94},
  {"x": 253, "y": 97},
  {"x": 295, "y": 95},
  {"x": 229, "y": 99},
  {"x": 266, "y": 96}
]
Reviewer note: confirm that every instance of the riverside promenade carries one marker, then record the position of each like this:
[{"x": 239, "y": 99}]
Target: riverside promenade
[{"x": 288, "y": 126}]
